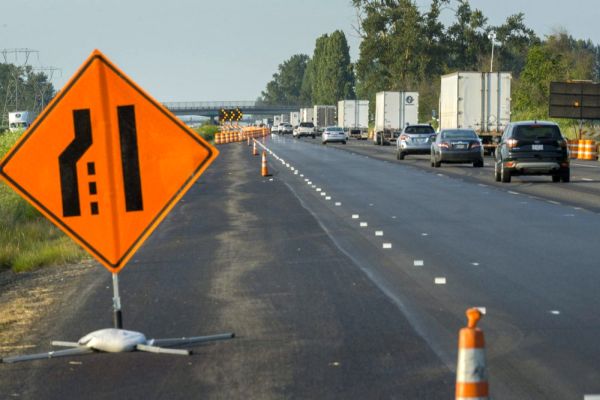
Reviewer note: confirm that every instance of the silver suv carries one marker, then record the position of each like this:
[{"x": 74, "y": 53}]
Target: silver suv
[{"x": 414, "y": 139}]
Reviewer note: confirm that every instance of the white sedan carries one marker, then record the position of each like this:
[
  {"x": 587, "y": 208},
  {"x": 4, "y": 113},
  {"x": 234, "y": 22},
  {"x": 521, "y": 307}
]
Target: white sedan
[{"x": 334, "y": 134}]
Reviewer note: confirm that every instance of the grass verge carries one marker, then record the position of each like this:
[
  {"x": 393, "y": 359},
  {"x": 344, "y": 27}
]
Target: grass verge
[{"x": 27, "y": 239}]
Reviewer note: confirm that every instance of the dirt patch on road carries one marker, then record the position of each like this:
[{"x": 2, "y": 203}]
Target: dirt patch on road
[{"x": 28, "y": 299}]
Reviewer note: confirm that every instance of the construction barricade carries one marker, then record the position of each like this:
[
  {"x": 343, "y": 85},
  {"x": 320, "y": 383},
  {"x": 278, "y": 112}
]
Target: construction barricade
[
  {"x": 235, "y": 134},
  {"x": 471, "y": 369}
]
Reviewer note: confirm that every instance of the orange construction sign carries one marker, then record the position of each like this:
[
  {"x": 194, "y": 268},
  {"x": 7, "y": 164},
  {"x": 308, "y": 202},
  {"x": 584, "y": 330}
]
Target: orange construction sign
[{"x": 105, "y": 162}]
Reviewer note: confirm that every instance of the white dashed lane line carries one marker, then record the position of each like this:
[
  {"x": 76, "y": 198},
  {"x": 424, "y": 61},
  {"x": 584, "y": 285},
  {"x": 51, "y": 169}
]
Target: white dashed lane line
[
  {"x": 475, "y": 264},
  {"x": 554, "y": 312},
  {"x": 378, "y": 233},
  {"x": 355, "y": 216},
  {"x": 511, "y": 192},
  {"x": 440, "y": 281},
  {"x": 587, "y": 179},
  {"x": 418, "y": 263},
  {"x": 387, "y": 245},
  {"x": 364, "y": 224},
  {"x": 554, "y": 202},
  {"x": 328, "y": 198},
  {"x": 424, "y": 234},
  {"x": 338, "y": 204}
]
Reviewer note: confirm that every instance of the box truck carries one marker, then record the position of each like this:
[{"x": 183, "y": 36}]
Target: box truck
[
  {"x": 478, "y": 101},
  {"x": 353, "y": 116},
  {"x": 295, "y": 118},
  {"x": 20, "y": 120},
  {"x": 393, "y": 111},
  {"x": 324, "y": 116},
  {"x": 306, "y": 114}
]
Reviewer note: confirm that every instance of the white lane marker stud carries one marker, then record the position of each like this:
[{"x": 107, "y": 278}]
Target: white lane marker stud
[
  {"x": 355, "y": 216},
  {"x": 387, "y": 245},
  {"x": 318, "y": 189},
  {"x": 378, "y": 233},
  {"x": 475, "y": 264},
  {"x": 418, "y": 263},
  {"x": 323, "y": 194},
  {"x": 424, "y": 234},
  {"x": 338, "y": 204},
  {"x": 555, "y": 312},
  {"x": 328, "y": 198},
  {"x": 301, "y": 175},
  {"x": 363, "y": 224},
  {"x": 440, "y": 281}
]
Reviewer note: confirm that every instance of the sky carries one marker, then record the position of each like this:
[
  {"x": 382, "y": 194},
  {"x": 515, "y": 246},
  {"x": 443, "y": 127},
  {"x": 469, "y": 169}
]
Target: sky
[{"x": 200, "y": 50}]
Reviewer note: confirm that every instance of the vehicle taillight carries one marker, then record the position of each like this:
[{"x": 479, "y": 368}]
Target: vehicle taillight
[
  {"x": 562, "y": 143},
  {"x": 475, "y": 145},
  {"x": 512, "y": 143},
  {"x": 445, "y": 145},
  {"x": 404, "y": 137}
]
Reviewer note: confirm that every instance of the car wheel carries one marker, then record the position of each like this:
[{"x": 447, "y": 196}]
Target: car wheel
[
  {"x": 401, "y": 155},
  {"x": 555, "y": 178},
  {"x": 478, "y": 164},
  {"x": 324, "y": 142},
  {"x": 496, "y": 172},
  {"x": 504, "y": 174},
  {"x": 344, "y": 142},
  {"x": 566, "y": 176},
  {"x": 431, "y": 160},
  {"x": 437, "y": 164},
  {"x": 313, "y": 136}
]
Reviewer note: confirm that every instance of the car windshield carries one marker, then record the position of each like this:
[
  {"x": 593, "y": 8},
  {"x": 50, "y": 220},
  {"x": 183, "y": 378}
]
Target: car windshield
[
  {"x": 419, "y": 129},
  {"x": 459, "y": 135},
  {"x": 334, "y": 129},
  {"x": 533, "y": 132},
  {"x": 307, "y": 125}
]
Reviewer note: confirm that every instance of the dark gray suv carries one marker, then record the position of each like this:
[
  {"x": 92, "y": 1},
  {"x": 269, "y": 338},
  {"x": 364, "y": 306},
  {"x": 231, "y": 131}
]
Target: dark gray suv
[{"x": 532, "y": 148}]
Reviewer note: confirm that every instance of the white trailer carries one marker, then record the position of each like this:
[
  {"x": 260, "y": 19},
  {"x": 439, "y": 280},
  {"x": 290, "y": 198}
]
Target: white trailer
[
  {"x": 353, "y": 116},
  {"x": 306, "y": 114},
  {"x": 295, "y": 118},
  {"x": 20, "y": 120},
  {"x": 393, "y": 111},
  {"x": 478, "y": 101},
  {"x": 324, "y": 116},
  {"x": 284, "y": 118}
]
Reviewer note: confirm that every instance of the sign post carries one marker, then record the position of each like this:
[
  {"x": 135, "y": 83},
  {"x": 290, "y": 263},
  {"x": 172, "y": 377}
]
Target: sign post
[{"x": 106, "y": 163}]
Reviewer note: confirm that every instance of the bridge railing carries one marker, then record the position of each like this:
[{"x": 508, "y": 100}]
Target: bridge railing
[{"x": 208, "y": 105}]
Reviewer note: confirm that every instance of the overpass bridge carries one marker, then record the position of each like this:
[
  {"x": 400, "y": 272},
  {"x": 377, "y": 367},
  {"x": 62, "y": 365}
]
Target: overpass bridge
[{"x": 211, "y": 108}]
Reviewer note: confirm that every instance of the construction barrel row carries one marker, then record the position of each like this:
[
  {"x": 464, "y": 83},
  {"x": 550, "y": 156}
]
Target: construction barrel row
[
  {"x": 240, "y": 134},
  {"x": 583, "y": 149}
]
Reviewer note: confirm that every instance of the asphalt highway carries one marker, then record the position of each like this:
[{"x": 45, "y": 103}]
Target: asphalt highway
[
  {"x": 438, "y": 241},
  {"x": 240, "y": 253},
  {"x": 345, "y": 275}
]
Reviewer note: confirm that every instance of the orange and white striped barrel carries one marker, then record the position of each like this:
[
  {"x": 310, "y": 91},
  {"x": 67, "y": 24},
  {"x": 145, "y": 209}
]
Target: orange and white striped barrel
[
  {"x": 573, "y": 148},
  {"x": 471, "y": 371},
  {"x": 254, "y": 152},
  {"x": 587, "y": 150},
  {"x": 218, "y": 138}
]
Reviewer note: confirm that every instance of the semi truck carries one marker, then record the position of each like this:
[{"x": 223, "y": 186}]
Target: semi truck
[
  {"x": 353, "y": 116},
  {"x": 20, "y": 120},
  {"x": 306, "y": 114},
  {"x": 393, "y": 111},
  {"x": 478, "y": 101},
  {"x": 324, "y": 116}
]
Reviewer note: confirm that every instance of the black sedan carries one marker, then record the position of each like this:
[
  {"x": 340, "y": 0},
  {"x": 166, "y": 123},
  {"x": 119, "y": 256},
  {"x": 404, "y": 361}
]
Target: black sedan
[{"x": 457, "y": 146}]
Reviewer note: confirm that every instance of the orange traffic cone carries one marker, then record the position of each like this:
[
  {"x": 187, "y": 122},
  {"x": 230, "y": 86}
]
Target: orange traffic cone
[
  {"x": 254, "y": 152},
  {"x": 264, "y": 171},
  {"x": 471, "y": 371}
]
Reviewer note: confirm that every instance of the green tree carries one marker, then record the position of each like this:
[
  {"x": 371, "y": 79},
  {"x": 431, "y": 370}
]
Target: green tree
[
  {"x": 467, "y": 39},
  {"x": 331, "y": 75},
  {"x": 286, "y": 86},
  {"x": 515, "y": 39}
]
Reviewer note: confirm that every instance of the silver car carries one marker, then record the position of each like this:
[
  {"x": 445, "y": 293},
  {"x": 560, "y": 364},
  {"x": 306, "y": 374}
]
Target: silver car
[
  {"x": 414, "y": 139},
  {"x": 334, "y": 134}
]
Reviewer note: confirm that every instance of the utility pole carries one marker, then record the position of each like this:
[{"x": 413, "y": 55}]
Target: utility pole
[{"x": 492, "y": 37}]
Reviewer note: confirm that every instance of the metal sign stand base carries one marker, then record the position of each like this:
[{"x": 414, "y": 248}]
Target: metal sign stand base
[{"x": 119, "y": 340}]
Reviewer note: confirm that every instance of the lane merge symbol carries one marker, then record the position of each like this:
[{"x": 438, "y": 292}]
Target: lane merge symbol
[{"x": 106, "y": 162}]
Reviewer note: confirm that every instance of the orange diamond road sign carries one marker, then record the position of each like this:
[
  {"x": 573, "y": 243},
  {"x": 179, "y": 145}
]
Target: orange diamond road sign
[{"x": 105, "y": 162}]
